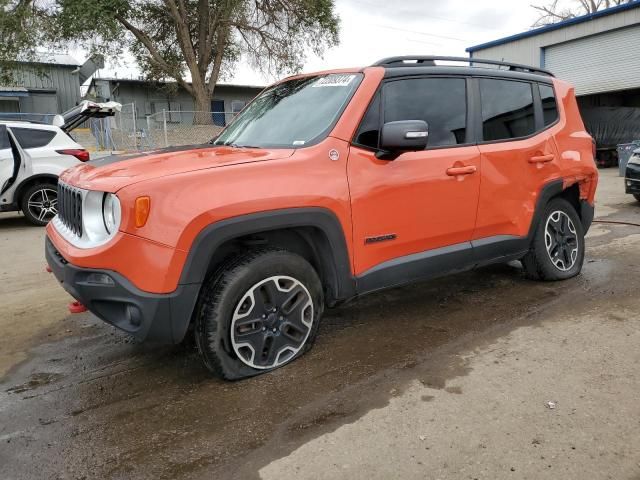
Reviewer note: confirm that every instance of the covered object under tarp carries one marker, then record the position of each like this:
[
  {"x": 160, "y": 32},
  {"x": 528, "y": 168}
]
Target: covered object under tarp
[{"x": 611, "y": 126}]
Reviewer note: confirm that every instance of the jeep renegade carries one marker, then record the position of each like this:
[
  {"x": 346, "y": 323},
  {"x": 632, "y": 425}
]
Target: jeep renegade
[{"x": 326, "y": 187}]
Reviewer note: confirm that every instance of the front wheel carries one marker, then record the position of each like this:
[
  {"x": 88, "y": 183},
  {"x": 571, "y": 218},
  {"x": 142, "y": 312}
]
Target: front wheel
[
  {"x": 557, "y": 250},
  {"x": 260, "y": 313},
  {"x": 637, "y": 196},
  {"x": 40, "y": 203}
]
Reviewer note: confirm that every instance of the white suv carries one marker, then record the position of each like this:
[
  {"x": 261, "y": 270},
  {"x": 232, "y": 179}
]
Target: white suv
[{"x": 32, "y": 156}]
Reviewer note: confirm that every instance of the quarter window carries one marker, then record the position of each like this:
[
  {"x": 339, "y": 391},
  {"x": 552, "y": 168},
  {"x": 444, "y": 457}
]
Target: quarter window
[
  {"x": 33, "y": 137},
  {"x": 441, "y": 102},
  {"x": 507, "y": 109},
  {"x": 549, "y": 106},
  {"x": 369, "y": 130}
]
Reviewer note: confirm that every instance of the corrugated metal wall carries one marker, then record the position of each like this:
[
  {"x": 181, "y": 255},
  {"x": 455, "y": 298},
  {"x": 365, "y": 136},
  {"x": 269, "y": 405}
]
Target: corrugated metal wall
[
  {"x": 150, "y": 99},
  {"x": 46, "y": 80},
  {"x": 529, "y": 50},
  {"x": 601, "y": 63}
]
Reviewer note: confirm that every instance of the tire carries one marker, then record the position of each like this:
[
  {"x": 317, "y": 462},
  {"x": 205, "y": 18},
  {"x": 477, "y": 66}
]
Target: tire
[
  {"x": 637, "y": 196},
  {"x": 557, "y": 249},
  {"x": 238, "y": 333},
  {"x": 39, "y": 203}
]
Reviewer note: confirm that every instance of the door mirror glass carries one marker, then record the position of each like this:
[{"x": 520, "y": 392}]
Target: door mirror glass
[{"x": 404, "y": 136}]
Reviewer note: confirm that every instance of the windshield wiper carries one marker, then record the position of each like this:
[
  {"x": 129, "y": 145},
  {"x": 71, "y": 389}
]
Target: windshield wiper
[{"x": 235, "y": 145}]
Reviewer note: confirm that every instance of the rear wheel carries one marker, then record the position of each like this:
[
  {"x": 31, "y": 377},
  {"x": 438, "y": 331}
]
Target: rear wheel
[
  {"x": 260, "y": 313},
  {"x": 40, "y": 203},
  {"x": 557, "y": 251}
]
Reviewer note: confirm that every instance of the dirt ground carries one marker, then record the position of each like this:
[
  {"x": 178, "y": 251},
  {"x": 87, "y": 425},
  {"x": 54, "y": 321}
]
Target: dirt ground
[{"x": 454, "y": 378}]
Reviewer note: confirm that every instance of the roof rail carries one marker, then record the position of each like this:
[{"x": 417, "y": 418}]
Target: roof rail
[{"x": 430, "y": 61}]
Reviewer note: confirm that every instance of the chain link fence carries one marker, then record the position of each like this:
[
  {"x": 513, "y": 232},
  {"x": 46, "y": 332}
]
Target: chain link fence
[
  {"x": 172, "y": 128},
  {"x": 125, "y": 131}
]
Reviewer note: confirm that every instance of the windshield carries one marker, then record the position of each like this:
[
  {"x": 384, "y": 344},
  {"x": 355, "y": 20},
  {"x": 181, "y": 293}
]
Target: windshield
[{"x": 294, "y": 113}]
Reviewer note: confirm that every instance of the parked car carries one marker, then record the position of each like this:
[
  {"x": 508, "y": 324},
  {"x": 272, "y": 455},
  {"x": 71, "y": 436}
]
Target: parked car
[
  {"x": 28, "y": 182},
  {"x": 326, "y": 187},
  {"x": 632, "y": 175}
]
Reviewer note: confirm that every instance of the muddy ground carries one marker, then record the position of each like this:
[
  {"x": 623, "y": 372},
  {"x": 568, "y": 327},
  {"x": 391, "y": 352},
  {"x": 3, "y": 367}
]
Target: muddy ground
[{"x": 446, "y": 379}]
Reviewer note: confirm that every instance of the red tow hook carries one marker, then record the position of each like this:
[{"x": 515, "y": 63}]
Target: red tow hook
[
  {"x": 76, "y": 307},
  {"x": 48, "y": 269}
]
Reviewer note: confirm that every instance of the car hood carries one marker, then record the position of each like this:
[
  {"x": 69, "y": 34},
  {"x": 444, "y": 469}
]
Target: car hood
[{"x": 111, "y": 173}]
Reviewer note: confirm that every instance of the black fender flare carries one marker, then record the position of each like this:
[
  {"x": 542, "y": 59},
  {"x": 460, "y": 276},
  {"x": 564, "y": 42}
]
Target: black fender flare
[
  {"x": 549, "y": 191},
  {"x": 333, "y": 250}
]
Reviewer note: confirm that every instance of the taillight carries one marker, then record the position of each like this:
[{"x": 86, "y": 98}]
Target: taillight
[{"x": 80, "y": 153}]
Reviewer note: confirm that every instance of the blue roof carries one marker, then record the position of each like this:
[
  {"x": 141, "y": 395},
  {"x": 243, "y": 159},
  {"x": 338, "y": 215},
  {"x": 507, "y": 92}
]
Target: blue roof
[{"x": 557, "y": 26}]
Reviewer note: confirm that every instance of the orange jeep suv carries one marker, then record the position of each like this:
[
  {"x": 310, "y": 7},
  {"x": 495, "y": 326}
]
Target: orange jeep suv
[{"x": 326, "y": 187}]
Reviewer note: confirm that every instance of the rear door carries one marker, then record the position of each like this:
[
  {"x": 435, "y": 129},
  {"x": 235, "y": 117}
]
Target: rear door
[
  {"x": 404, "y": 208},
  {"x": 518, "y": 155}
]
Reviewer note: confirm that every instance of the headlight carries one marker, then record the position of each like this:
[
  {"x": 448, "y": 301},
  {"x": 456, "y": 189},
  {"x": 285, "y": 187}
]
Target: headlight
[
  {"x": 100, "y": 217},
  {"x": 635, "y": 159},
  {"x": 111, "y": 212},
  {"x": 87, "y": 218}
]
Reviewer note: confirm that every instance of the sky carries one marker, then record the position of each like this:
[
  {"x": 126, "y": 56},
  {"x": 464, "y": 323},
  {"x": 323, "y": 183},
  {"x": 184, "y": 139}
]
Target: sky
[{"x": 373, "y": 29}]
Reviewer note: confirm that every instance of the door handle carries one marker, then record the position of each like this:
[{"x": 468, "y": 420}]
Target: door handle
[
  {"x": 466, "y": 170},
  {"x": 542, "y": 158}
]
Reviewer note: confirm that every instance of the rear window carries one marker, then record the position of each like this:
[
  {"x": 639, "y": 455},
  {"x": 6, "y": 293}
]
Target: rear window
[
  {"x": 507, "y": 109},
  {"x": 549, "y": 105},
  {"x": 32, "y": 137}
]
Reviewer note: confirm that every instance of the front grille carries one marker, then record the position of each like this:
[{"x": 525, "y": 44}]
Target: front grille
[{"x": 70, "y": 208}]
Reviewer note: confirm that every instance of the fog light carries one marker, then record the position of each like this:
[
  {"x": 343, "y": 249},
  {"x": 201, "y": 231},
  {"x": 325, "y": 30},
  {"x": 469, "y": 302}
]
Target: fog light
[{"x": 99, "y": 279}]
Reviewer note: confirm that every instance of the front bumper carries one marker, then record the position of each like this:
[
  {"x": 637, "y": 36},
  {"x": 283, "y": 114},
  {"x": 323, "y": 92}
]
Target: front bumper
[
  {"x": 159, "y": 318},
  {"x": 632, "y": 178}
]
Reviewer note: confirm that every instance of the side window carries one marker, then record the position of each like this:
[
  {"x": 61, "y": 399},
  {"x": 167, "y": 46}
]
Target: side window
[
  {"x": 507, "y": 109},
  {"x": 441, "y": 102},
  {"x": 4, "y": 140},
  {"x": 33, "y": 137},
  {"x": 369, "y": 130},
  {"x": 549, "y": 105}
]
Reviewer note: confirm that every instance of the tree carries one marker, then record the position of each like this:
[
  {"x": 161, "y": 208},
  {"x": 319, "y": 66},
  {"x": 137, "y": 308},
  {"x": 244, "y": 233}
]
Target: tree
[
  {"x": 20, "y": 33},
  {"x": 194, "y": 42},
  {"x": 557, "y": 12}
]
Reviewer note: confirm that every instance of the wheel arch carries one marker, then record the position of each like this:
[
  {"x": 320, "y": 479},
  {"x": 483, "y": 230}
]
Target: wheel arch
[
  {"x": 556, "y": 189},
  {"x": 33, "y": 180},
  {"x": 314, "y": 233}
]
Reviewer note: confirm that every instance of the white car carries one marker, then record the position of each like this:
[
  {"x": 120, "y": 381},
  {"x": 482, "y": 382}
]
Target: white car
[{"x": 32, "y": 156}]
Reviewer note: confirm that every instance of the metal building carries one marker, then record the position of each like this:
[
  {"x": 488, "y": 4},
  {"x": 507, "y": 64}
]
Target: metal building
[
  {"x": 599, "y": 54},
  {"x": 152, "y": 98},
  {"x": 48, "y": 85}
]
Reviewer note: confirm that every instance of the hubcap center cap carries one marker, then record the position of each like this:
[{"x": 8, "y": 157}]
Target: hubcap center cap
[{"x": 272, "y": 320}]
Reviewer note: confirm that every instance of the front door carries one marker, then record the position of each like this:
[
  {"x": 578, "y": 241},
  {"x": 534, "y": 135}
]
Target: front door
[{"x": 411, "y": 213}]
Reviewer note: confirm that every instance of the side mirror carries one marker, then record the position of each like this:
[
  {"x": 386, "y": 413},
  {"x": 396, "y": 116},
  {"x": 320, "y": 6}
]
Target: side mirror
[{"x": 404, "y": 136}]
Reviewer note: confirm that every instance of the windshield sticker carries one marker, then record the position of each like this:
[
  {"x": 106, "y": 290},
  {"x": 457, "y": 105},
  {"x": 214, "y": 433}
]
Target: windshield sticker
[
  {"x": 299, "y": 142},
  {"x": 334, "y": 80}
]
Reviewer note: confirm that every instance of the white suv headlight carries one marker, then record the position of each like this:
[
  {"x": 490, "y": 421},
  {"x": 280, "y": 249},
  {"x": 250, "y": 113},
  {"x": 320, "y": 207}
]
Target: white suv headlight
[{"x": 635, "y": 159}]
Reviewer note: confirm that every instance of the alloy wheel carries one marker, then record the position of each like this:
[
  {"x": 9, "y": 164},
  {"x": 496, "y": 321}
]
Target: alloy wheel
[
  {"x": 43, "y": 204},
  {"x": 561, "y": 240},
  {"x": 272, "y": 322}
]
